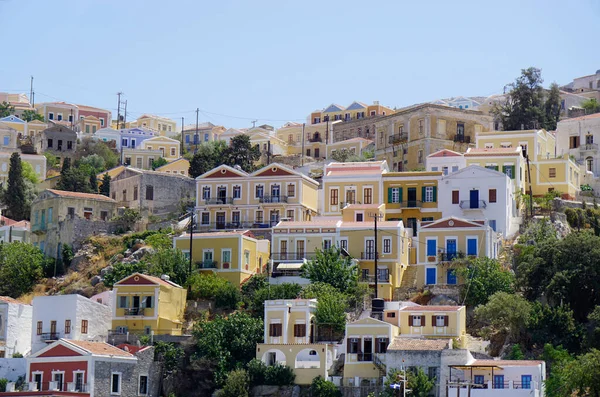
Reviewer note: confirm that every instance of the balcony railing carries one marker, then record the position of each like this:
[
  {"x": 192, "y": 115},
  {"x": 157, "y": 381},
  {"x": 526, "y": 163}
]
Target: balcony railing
[
  {"x": 207, "y": 264},
  {"x": 450, "y": 256},
  {"x": 50, "y": 336},
  {"x": 38, "y": 227},
  {"x": 319, "y": 139},
  {"x": 273, "y": 199},
  {"x": 370, "y": 278},
  {"x": 292, "y": 256},
  {"x": 210, "y": 226},
  {"x": 368, "y": 255},
  {"x": 398, "y": 138},
  {"x": 472, "y": 204},
  {"x": 462, "y": 138},
  {"x": 134, "y": 311},
  {"x": 410, "y": 203},
  {"x": 349, "y": 202},
  {"x": 72, "y": 387},
  {"x": 218, "y": 200},
  {"x": 589, "y": 146}
]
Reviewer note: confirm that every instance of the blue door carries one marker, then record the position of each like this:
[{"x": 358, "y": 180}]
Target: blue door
[
  {"x": 478, "y": 379},
  {"x": 474, "y": 199},
  {"x": 472, "y": 247},
  {"x": 431, "y": 276},
  {"x": 526, "y": 381},
  {"x": 451, "y": 277},
  {"x": 498, "y": 382},
  {"x": 451, "y": 249}
]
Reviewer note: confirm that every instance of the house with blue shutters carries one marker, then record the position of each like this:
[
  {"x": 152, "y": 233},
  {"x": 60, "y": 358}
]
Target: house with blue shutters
[{"x": 131, "y": 138}]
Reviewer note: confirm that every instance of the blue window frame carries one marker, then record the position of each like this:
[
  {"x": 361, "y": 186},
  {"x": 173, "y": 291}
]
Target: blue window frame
[
  {"x": 431, "y": 276},
  {"x": 205, "y": 137},
  {"x": 431, "y": 248},
  {"x": 187, "y": 139},
  {"x": 472, "y": 246},
  {"x": 478, "y": 379},
  {"x": 526, "y": 381},
  {"x": 493, "y": 224},
  {"x": 6, "y": 140},
  {"x": 498, "y": 382}
]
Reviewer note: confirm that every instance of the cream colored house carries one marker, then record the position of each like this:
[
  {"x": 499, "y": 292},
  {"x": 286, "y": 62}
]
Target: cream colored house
[
  {"x": 164, "y": 126},
  {"x": 169, "y": 147},
  {"x": 140, "y": 158},
  {"x": 180, "y": 166}
]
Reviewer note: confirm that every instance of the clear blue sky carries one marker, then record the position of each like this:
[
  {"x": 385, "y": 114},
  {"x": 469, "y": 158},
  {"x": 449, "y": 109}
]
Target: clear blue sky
[{"x": 279, "y": 60}]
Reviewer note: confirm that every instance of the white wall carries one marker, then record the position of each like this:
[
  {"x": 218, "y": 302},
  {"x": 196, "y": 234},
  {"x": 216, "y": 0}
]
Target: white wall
[
  {"x": 70, "y": 307},
  {"x": 579, "y": 127},
  {"x": 452, "y": 162},
  {"x": 13, "y": 368},
  {"x": 18, "y": 329}
]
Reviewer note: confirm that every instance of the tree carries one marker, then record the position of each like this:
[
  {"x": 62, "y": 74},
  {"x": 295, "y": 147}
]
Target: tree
[
  {"x": 579, "y": 377},
  {"x": 329, "y": 266},
  {"x": 28, "y": 173},
  {"x": 241, "y": 152},
  {"x": 420, "y": 384},
  {"x": 229, "y": 341},
  {"x": 171, "y": 262},
  {"x": 555, "y": 325},
  {"x": 89, "y": 146},
  {"x": 129, "y": 218},
  {"x": 331, "y": 311},
  {"x": 93, "y": 183},
  {"x": 14, "y": 197},
  {"x": 6, "y": 109},
  {"x": 516, "y": 353},
  {"x": 20, "y": 268},
  {"x": 340, "y": 155},
  {"x": 324, "y": 388},
  {"x": 278, "y": 291},
  {"x": 205, "y": 285},
  {"x": 524, "y": 104},
  {"x": 208, "y": 156},
  {"x": 236, "y": 385},
  {"x": 552, "y": 107},
  {"x": 95, "y": 161},
  {"x": 105, "y": 187},
  {"x": 30, "y": 115},
  {"x": 51, "y": 159},
  {"x": 505, "y": 312},
  {"x": 484, "y": 277},
  {"x": 169, "y": 354},
  {"x": 159, "y": 163},
  {"x": 591, "y": 106}
]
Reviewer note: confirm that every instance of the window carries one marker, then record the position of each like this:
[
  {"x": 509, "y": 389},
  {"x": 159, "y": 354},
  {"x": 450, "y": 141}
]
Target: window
[
  {"x": 460, "y": 129},
  {"x": 454, "y": 168},
  {"x": 275, "y": 330},
  {"x": 333, "y": 197},
  {"x": 387, "y": 245},
  {"x": 39, "y": 327},
  {"x": 87, "y": 213},
  {"x": 493, "y": 224},
  {"x": 205, "y": 218},
  {"x": 478, "y": 379},
  {"x": 150, "y": 161},
  {"x": 127, "y": 160},
  {"x": 290, "y": 215},
  {"x": 344, "y": 244},
  {"x": 431, "y": 247},
  {"x": 148, "y": 302},
  {"x": 395, "y": 195},
  {"x": 416, "y": 321},
  {"x": 421, "y": 126},
  {"x": 50, "y": 116},
  {"x": 115, "y": 383},
  {"x": 441, "y": 321},
  {"x": 206, "y": 192},
  {"x": 420, "y": 156},
  {"x": 381, "y": 345},
  {"x": 429, "y": 196},
  {"x": 291, "y": 190},
  {"x": 259, "y": 216},
  {"x": 172, "y": 152},
  {"x": 206, "y": 137},
  {"x": 552, "y": 172},
  {"x": 492, "y": 196},
  {"x": 67, "y": 326},
  {"x": 237, "y": 192},
  {"x": 49, "y": 142},
  {"x": 104, "y": 216},
  {"x": 326, "y": 244},
  {"x": 143, "y": 385},
  {"x": 299, "y": 330},
  {"x": 352, "y": 345},
  {"x": 135, "y": 193},
  {"x": 6, "y": 140},
  {"x": 84, "y": 326},
  {"x": 259, "y": 191},
  {"x": 455, "y": 197},
  {"x": 122, "y": 302},
  {"x": 246, "y": 259},
  {"x": 526, "y": 381},
  {"x": 509, "y": 170},
  {"x": 149, "y": 192},
  {"x": 444, "y": 170},
  {"x": 187, "y": 139},
  {"x": 87, "y": 128},
  {"x": 391, "y": 315},
  {"x": 368, "y": 195}
]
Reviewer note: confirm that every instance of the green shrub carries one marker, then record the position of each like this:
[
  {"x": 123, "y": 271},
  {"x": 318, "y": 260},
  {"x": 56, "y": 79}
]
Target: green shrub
[
  {"x": 324, "y": 388},
  {"x": 122, "y": 270},
  {"x": 236, "y": 384},
  {"x": 228, "y": 297},
  {"x": 205, "y": 286},
  {"x": 256, "y": 372},
  {"x": 159, "y": 241},
  {"x": 144, "y": 340},
  {"x": 169, "y": 354},
  {"x": 17, "y": 355},
  {"x": 3, "y": 383},
  {"x": 279, "y": 375}
]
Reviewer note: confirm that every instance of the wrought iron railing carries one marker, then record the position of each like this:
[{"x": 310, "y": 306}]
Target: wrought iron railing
[{"x": 472, "y": 204}]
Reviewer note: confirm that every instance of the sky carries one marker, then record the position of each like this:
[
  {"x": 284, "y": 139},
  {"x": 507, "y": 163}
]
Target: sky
[{"x": 277, "y": 61}]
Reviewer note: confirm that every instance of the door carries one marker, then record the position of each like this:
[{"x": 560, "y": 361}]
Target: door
[
  {"x": 271, "y": 358},
  {"x": 275, "y": 191},
  {"x": 58, "y": 378},
  {"x": 222, "y": 194},
  {"x": 412, "y": 197},
  {"x": 431, "y": 276},
  {"x": 478, "y": 379},
  {"x": 526, "y": 381},
  {"x": 283, "y": 250},
  {"x": 317, "y": 152},
  {"x": 52, "y": 329},
  {"x": 451, "y": 277},
  {"x": 220, "y": 220},
  {"x": 412, "y": 223},
  {"x": 37, "y": 378},
  {"x": 136, "y": 302},
  {"x": 369, "y": 249},
  {"x": 207, "y": 259},
  {"x": 368, "y": 349},
  {"x": 498, "y": 382},
  {"x": 300, "y": 249},
  {"x": 274, "y": 217},
  {"x": 474, "y": 199},
  {"x": 451, "y": 249},
  {"x": 79, "y": 381}
]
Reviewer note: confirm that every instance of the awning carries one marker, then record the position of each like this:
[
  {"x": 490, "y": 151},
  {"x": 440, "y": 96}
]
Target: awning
[{"x": 290, "y": 266}]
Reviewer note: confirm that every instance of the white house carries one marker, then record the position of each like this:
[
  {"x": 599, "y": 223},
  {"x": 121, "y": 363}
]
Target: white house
[
  {"x": 579, "y": 137},
  {"x": 108, "y": 134},
  {"x": 68, "y": 316},
  {"x": 15, "y": 327},
  {"x": 445, "y": 160},
  {"x": 475, "y": 192},
  {"x": 229, "y": 134}
]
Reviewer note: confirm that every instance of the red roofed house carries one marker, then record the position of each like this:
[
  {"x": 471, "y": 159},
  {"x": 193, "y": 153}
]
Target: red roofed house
[
  {"x": 60, "y": 217},
  {"x": 82, "y": 368}
]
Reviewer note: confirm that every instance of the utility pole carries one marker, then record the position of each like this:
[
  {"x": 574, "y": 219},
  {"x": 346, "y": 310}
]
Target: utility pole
[
  {"x": 375, "y": 217},
  {"x": 182, "y": 149},
  {"x": 125, "y": 118},
  {"x": 530, "y": 188},
  {"x": 119, "y": 108},
  {"x": 302, "y": 154},
  {"x": 31, "y": 92},
  {"x": 254, "y": 123},
  {"x": 196, "y": 138},
  {"x": 191, "y": 239}
]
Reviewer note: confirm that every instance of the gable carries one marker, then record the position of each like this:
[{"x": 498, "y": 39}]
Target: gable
[
  {"x": 12, "y": 119},
  {"x": 273, "y": 170},
  {"x": 136, "y": 279},
  {"x": 451, "y": 223},
  {"x": 60, "y": 351},
  {"x": 355, "y": 106},
  {"x": 333, "y": 108},
  {"x": 369, "y": 321},
  {"x": 223, "y": 171}
]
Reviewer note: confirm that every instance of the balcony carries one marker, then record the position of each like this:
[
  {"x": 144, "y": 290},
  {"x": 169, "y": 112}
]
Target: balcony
[
  {"x": 207, "y": 264},
  {"x": 589, "y": 147},
  {"x": 211, "y": 226},
  {"x": 51, "y": 387},
  {"x": 398, "y": 138},
  {"x": 472, "y": 204},
  {"x": 490, "y": 388},
  {"x": 134, "y": 311},
  {"x": 273, "y": 199},
  {"x": 349, "y": 202},
  {"x": 38, "y": 227},
  {"x": 450, "y": 256},
  {"x": 50, "y": 336},
  {"x": 292, "y": 256},
  {"x": 218, "y": 200},
  {"x": 462, "y": 138},
  {"x": 369, "y": 255},
  {"x": 370, "y": 278},
  {"x": 317, "y": 139},
  {"x": 409, "y": 203}
]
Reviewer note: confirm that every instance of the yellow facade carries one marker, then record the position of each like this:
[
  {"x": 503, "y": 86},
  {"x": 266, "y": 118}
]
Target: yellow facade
[
  {"x": 549, "y": 172},
  {"x": 234, "y": 256},
  {"x": 314, "y": 140},
  {"x": 148, "y": 304},
  {"x": 180, "y": 166},
  {"x": 366, "y": 343},
  {"x": 509, "y": 161},
  {"x": 228, "y": 198},
  {"x": 158, "y": 124},
  {"x": 170, "y": 148},
  {"x": 140, "y": 158},
  {"x": 354, "y": 147},
  {"x": 354, "y": 111}
]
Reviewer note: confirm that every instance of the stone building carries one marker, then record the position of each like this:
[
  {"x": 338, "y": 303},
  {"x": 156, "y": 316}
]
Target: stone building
[
  {"x": 60, "y": 217},
  {"x": 59, "y": 140},
  {"x": 151, "y": 192},
  {"x": 404, "y": 139}
]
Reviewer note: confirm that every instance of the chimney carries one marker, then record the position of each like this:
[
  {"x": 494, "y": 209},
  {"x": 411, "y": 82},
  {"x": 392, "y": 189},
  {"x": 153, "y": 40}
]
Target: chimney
[{"x": 165, "y": 277}]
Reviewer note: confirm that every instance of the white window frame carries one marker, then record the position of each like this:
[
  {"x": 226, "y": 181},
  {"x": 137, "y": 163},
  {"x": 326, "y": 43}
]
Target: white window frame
[
  {"x": 343, "y": 243},
  {"x": 140, "y": 382},
  {"x": 395, "y": 195},
  {"x": 207, "y": 188},
  {"x": 112, "y": 374},
  {"x": 327, "y": 243},
  {"x": 389, "y": 251},
  {"x": 101, "y": 121},
  {"x": 212, "y": 253},
  {"x": 439, "y": 317},
  {"x": 223, "y": 251},
  {"x": 83, "y": 382},
  {"x": 428, "y": 194},
  {"x": 489, "y": 146},
  {"x": 233, "y": 192},
  {"x": 58, "y": 372},
  {"x": 256, "y": 190},
  {"x": 414, "y": 316}
]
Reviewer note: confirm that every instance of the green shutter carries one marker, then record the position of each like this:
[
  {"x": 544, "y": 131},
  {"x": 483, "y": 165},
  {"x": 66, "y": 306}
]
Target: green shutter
[
  {"x": 496, "y": 168},
  {"x": 389, "y": 194},
  {"x": 512, "y": 176},
  {"x": 504, "y": 167},
  {"x": 423, "y": 194},
  {"x": 399, "y": 194},
  {"x": 435, "y": 194}
]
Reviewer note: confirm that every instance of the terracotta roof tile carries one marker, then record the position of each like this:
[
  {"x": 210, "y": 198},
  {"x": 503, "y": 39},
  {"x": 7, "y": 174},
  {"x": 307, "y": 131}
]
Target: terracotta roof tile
[
  {"x": 417, "y": 344},
  {"x": 445, "y": 153},
  {"x": 363, "y": 206},
  {"x": 8, "y": 299},
  {"x": 431, "y": 308},
  {"x": 101, "y": 348},
  {"x": 382, "y": 224},
  {"x": 589, "y": 116},
  {"x": 91, "y": 196}
]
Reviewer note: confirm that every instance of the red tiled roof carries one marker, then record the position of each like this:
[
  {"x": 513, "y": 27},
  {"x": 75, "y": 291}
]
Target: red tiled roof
[
  {"x": 7, "y": 221},
  {"x": 492, "y": 151},
  {"x": 8, "y": 299},
  {"x": 445, "y": 153},
  {"x": 589, "y": 116},
  {"x": 99, "y": 348},
  {"x": 91, "y": 196},
  {"x": 431, "y": 308}
]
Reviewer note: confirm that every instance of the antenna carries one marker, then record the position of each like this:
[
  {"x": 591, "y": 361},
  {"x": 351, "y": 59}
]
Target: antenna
[{"x": 254, "y": 123}]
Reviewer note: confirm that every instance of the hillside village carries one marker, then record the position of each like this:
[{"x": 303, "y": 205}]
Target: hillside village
[{"x": 447, "y": 248}]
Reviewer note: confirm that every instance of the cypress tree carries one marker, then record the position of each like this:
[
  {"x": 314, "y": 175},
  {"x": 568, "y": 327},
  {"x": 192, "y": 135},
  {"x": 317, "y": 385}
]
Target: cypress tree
[
  {"x": 105, "y": 188},
  {"x": 14, "y": 197}
]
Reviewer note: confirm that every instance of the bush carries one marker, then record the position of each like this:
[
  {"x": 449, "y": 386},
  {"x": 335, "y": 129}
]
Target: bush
[
  {"x": 205, "y": 285},
  {"x": 280, "y": 291},
  {"x": 256, "y": 372},
  {"x": 67, "y": 255},
  {"x": 170, "y": 354},
  {"x": 228, "y": 297},
  {"x": 159, "y": 241},
  {"x": 279, "y": 375},
  {"x": 122, "y": 270},
  {"x": 324, "y": 388},
  {"x": 236, "y": 384},
  {"x": 3, "y": 383},
  {"x": 17, "y": 355}
]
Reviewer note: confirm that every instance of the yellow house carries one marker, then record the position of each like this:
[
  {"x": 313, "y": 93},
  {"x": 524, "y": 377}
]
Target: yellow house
[
  {"x": 440, "y": 242},
  {"x": 229, "y": 198},
  {"x": 205, "y": 132},
  {"x": 180, "y": 166},
  {"x": 367, "y": 341},
  {"x": 308, "y": 139},
  {"x": 353, "y": 146},
  {"x": 170, "y": 148},
  {"x": 140, "y": 158},
  {"x": 432, "y": 322},
  {"x": 234, "y": 255},
  {"x": 155, "y": 123},
  {"x": 148, "y": 304},
  {"x": 355, "y": 111},
  {"x": 412, "y": 197},
  {"x": 290, "y": 339},
  {"x": 549, "y": 172}
]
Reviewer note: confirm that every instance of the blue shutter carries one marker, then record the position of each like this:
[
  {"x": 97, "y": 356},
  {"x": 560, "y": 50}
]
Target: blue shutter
[
  {"x": 431, "y": 247},
  {"x": 472, "y": 246}
]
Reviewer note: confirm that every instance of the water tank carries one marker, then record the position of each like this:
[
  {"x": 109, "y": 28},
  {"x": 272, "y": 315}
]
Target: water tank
[{"x": 377, "y": 305}]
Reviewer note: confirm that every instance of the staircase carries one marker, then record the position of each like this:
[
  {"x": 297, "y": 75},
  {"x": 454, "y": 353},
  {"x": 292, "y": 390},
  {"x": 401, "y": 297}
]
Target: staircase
[
  {"x": 380, "y": 365},
  {"x": 408, "y": 286}
]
